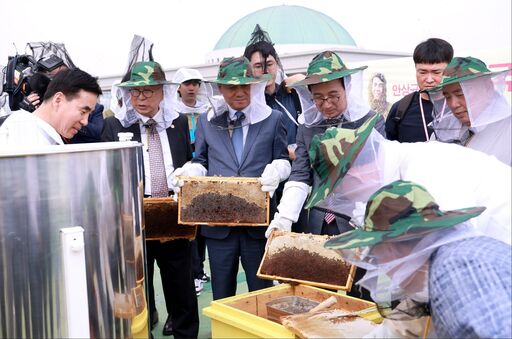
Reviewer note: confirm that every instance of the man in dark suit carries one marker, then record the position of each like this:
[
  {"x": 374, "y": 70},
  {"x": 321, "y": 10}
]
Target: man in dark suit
[
  {"x": 148, "y": 114},
  {"x": 245, "y": 139}
]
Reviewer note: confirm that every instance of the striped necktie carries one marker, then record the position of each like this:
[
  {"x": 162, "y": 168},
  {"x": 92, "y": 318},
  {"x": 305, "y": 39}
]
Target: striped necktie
[
  {"x": 156, "y": 161},
  {"x": 329, "y": 216}
]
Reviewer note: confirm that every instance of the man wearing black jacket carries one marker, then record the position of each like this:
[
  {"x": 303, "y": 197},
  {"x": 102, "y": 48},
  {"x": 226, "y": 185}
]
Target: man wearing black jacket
[{"x": 406, "y": 122}]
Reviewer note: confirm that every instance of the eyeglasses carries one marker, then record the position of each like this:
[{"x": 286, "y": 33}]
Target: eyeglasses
[
  {"x": 331, "y": 99},
  {"x": 148, "y": 93}
]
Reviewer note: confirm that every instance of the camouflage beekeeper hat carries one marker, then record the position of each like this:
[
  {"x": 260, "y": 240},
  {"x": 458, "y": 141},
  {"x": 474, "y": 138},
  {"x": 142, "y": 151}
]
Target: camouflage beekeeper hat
[
  {"x": 324, "y": 67},
  {"x": 146, "y": 73},
  {"x": 401, "y": 209},
  {"x": 238, "y": 71},
  {"x": 462, "y": 69},
  {"x": 331, "y": 155}
]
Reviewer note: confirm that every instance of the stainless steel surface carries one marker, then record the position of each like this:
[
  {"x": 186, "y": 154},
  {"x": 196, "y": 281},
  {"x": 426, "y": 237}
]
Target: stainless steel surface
[{"x": 97, "y": 186}]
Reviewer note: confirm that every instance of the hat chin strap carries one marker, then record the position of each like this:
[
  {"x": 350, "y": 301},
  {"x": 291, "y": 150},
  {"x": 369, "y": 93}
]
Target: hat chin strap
[{"x": 427, "y": 137}]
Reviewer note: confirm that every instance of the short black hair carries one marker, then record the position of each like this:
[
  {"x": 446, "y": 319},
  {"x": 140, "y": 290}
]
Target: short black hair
[
  {"x": 192, "y": 81},
  {"x": 260, "y": 42},
  {"x": 433, "y": 51},
  {"x": 263, "y": 47},
  {"x": 70, "y": 82}
]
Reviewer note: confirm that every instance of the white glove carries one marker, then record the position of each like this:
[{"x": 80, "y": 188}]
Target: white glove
[
  {"x": 275, "y": 172},
  {"x": 382, "y": 331},
  {"x": 279, "y": 222},
  {"x": 399, "y": 329},
  {"x": 190, "y": 169},
  {"x": 294, "y": 195}
]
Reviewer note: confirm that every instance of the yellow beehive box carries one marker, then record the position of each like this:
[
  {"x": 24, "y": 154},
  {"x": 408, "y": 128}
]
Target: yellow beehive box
[
  {"x": 224, "y": 201},
  {"x": 245, "y": 315}
]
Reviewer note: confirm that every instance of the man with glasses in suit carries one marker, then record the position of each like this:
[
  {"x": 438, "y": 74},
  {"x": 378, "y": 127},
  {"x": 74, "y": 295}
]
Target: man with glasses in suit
[{"x": 147, "y": 112}]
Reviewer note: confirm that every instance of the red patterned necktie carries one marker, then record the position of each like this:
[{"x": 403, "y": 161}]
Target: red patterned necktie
[
  {"x": 156, "y": 161},
  {"x": 329, "y": 217}
]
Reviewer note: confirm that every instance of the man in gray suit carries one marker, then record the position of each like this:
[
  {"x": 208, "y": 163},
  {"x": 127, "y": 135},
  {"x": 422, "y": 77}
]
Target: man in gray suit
[
  {"x": 337, "y": 93},
  {"x": 245, "y": 138}
]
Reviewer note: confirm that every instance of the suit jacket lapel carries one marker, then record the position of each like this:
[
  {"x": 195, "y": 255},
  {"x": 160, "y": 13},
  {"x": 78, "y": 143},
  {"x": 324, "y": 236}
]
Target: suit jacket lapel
[
  {"x": 135, "y": 129},
  {"x": 252, "y": 135},
  {"x": 175, "y": 149},
  {"x": 223, "y": 133}
]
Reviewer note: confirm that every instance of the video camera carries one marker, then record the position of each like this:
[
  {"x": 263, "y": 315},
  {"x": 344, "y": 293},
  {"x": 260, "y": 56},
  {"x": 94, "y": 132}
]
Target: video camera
[
  {"x": 27, "y": 73},
  {"x": 24, "y": 75}
]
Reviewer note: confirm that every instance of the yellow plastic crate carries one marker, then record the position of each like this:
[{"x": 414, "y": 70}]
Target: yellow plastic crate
[
  {"x": 140, "y": 328},
  {"x": 245, "y": 315}
]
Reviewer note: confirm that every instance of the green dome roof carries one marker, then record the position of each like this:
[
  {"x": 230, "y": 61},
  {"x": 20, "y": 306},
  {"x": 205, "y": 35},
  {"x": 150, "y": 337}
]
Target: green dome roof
[{"x": 287, "y": 25}]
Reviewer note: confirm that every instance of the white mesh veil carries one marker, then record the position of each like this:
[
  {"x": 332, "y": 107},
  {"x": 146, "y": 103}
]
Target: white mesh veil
[
  {"x": 141, "y": 49},
  {"x": 127, "y": 115},
  {"x": 260, "y": 42},
  {"x": 371, "y": 170},
  {"x": 258, "y": 106},
  {"x": 357, "y": 107},
  {"x": 202, "y": 100},
  {"x": 43, "y": 50},
  {"x": 308, "y": 106},
  {"x": 398, "y": 268},
  {"x": 485, "y": 103}
]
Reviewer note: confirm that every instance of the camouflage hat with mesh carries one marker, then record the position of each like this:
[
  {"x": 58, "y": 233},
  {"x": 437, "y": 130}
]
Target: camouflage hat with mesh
[
  {"x": 324, "y": 67},
  {"x": 332, "y": 153},
  {"x": 146, "y": 73},
  {"x": 238, "y": 71},
  {"x": 402, "y": 210},
  {"x": 461, "y": 69}
]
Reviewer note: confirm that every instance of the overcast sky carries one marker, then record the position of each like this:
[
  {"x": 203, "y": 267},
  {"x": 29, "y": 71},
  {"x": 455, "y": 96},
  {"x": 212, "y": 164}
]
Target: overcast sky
[{"x": 97, "y": 33}]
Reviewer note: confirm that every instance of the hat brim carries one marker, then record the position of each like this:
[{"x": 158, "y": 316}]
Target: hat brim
[
  {"x": 461, "y": 79},
  {"x": 145, "y": 83},
  {"x": 325, "y": 171},
  {"x": 242, "y": 80},
  {"x": 409, "y": 227},
  {"x": 319, "y": 78}
]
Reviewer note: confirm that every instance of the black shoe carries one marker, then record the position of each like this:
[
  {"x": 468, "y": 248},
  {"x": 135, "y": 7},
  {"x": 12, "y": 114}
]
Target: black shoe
[
  {"x": 205, "y": 277},
  {"x": 168, "y": 327},
  {"x": 153, "y": 319}
]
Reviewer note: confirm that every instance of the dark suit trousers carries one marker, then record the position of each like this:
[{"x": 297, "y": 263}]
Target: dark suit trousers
[
  {"x": 198, "y": 256},
  {"x": 225, "y": 254},
  {"x": 174, "y": 259}
]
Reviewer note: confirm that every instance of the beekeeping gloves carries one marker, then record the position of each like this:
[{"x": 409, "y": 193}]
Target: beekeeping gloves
[
  {"x": 294, "y": 195},
  {"x": 190, "y": 169},
  {"x": 413, "y": 328},
  {"x": 275, "y": 172}
]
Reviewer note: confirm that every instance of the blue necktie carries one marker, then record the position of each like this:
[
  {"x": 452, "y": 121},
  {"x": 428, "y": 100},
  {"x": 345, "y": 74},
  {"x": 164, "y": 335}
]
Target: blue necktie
[{"x": 237, "y": 138}]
